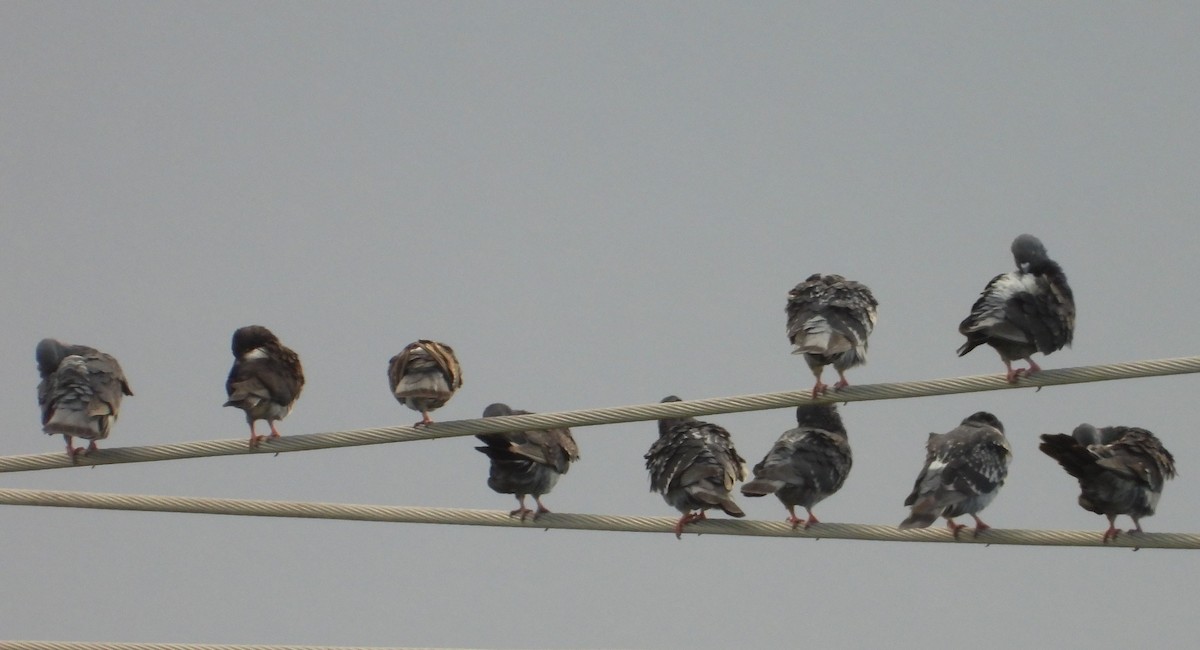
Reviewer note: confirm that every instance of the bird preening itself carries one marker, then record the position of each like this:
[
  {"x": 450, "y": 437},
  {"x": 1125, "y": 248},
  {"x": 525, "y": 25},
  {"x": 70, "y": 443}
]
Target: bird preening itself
[
  {"x": 830, "y": 319},
  {"x": 80, "y": 392},
  {"x": 265, "y": 380},
  {"x": 526, "y": 462},
  {"x": 964, "y": 470},
  {"x": 1024, "y": 311},
  {"x": 807, "y": 463},
  {"x": 424, "y": 376},
  {"x": 1121, "y": 470},
  {"x": 694, "y": 465}
]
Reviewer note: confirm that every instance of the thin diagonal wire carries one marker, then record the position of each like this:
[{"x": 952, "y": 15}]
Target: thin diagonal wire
[
  {"x": 108, "y": 645},
  {"x": 464, "y": 517},
  {"x": 610, "y": 415}
]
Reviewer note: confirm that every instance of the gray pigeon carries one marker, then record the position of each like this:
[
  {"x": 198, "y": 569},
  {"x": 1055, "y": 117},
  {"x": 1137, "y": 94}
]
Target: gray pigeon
[
  {"x": 80, "y": 392},
  {"x": 964, "y": 470},
  {"x": 526, "y": 462},
  {"x": 265, "y": 380},
  {"x": 693, "y": 465},
  {"x": 1120, "y": 470},
  {"x": 829, "y": 321},
  {"x": 424, "y": 376},
  {"x": 807, "y": 464},
  {"x": 1021, "y": 312}
]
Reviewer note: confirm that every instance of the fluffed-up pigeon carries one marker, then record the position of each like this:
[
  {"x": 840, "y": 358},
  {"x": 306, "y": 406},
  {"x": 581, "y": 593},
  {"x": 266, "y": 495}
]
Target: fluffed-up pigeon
[
  {"x": 964, "y": 470},
  {"x": 80, "y": 392},
  {"x": 694, "y": 465},
  {"x": 526, "y": 462},
  {"x": 1120, "y": 470},
  {"x": 424, "y": 376},
  {"x": 265, "y": 380},
  {"x": 807, "y": 464},
  {"x": 1024, "y": 311},
  {"x": 829, "y": 321}
]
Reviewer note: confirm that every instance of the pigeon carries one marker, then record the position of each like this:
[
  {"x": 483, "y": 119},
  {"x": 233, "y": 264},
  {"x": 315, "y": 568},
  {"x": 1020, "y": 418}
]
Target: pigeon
[
  {"x": 80, "y": 392},
  {"x": 1024, "y": 311},
  {"x": 693, "y": 465},
  {"x": 1120, "y": 470},
  {"x": 424, "y": 376},
  {"x": 265, "y": 380},
  {"x": 964, "y": 470},
  {"x": 807, "y": 464},
  {"x": 526, "y": 462},
  {"x": 829, "y": 321}
]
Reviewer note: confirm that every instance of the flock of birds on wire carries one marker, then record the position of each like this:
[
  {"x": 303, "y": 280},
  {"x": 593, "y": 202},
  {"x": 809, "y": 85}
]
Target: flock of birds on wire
[{"x": 694, "y": 464}]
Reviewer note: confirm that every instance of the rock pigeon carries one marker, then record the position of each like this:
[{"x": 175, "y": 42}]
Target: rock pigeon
[
  {"x": 829, "y": 321},
  {"x": 265, "y": 380},
  {"x": 80, "y": 392},
  {"x": 964, "y": 470},
  {"x": 693, "y": 465},
  {"x": 807, "y": 464},
  {"x": 1120, "y": 470},
  {"x": 424, "y": 376},
  {"x": 526, "y": 462},
  {"x": 1021, "y": 312}
]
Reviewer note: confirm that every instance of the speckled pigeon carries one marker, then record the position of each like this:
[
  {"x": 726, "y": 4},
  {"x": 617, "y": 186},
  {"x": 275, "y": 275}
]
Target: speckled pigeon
[
  {"x": 807, "y": 464},
  {"x": 1024, "y": 311},
  {"x": 964, "y": 470},
  {"x": 526, "y": 462},
  {"x": 80, "y": 392},
  {"x": 265, "y": 380},
  {"x": 1120, "y": 470},
  {"x": 829, "y": 321},
  {"x": 424, "y": 376},
  {"x": 693, "y": 465}
]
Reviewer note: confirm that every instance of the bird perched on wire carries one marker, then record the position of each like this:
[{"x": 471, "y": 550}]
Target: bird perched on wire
[
  {"x": 694, "y": 465},
  {"x": 1120, "y": 470},
  {"x": 1024, "y": 311},
  {"x": 80, "y": 392},
  {"x": 526, "y": 462},
  {"x": 964, "y": 470},
  {"x": 424, "y": 376},
  {"x": 829, "y": 321},
  {"x": 265, "y": 380},
  {"x": 807, "y": 464}
]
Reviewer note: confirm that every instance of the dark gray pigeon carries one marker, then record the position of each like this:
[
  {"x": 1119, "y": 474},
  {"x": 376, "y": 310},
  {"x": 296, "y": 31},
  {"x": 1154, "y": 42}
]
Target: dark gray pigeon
[
  {"x": 1024, "y": 311},
  {"x": 265, "y": 380},
  {"x": 829, "y": 321},
  {"x": 80, "y": 392},
  {"x": 424, "y": 376},
  {"x": 693, "y": 465},
  {"x": 1120, "y": 470},
  {"x": 526, "y": 462},
  {"x": 964, "y": 470},
  {"x": 807, "y": 464}
]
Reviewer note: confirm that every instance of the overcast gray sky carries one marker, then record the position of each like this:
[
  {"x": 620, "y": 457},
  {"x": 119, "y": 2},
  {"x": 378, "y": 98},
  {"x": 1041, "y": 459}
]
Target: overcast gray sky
[{"x": 596, "y": 204}]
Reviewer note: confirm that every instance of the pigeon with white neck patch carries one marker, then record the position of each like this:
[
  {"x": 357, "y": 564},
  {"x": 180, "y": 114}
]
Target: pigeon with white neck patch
[{"x": 1031, "y": 309}]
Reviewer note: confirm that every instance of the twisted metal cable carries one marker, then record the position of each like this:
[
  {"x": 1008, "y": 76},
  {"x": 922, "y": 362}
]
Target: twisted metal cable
[
  {"x": 609, "y": 415},
  {"x": 79, "y": 645},
  {"x": 464, "y": 517}
]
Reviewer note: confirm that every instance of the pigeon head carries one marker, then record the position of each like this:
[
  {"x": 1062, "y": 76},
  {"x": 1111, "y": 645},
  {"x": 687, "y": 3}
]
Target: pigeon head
[
  {"x": 986, "y": 419},
  {"x": 1028, "y": 250},
  {"x": 665, "y": 424},
  {"x": 49, "y": 354},
  {"x": 820, "y": 416},
  {"x": 497, "y": 409},
  {"x": 252, "y": 337},
  {"x": 1086, "y": 434}
]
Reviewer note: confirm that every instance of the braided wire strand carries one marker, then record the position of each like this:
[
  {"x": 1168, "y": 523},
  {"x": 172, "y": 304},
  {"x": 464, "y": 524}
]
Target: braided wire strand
[
  {"x": 79, "y": 645},
  {"x": 598, "y": 416},
  {"x": 564, "y": 521}
]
